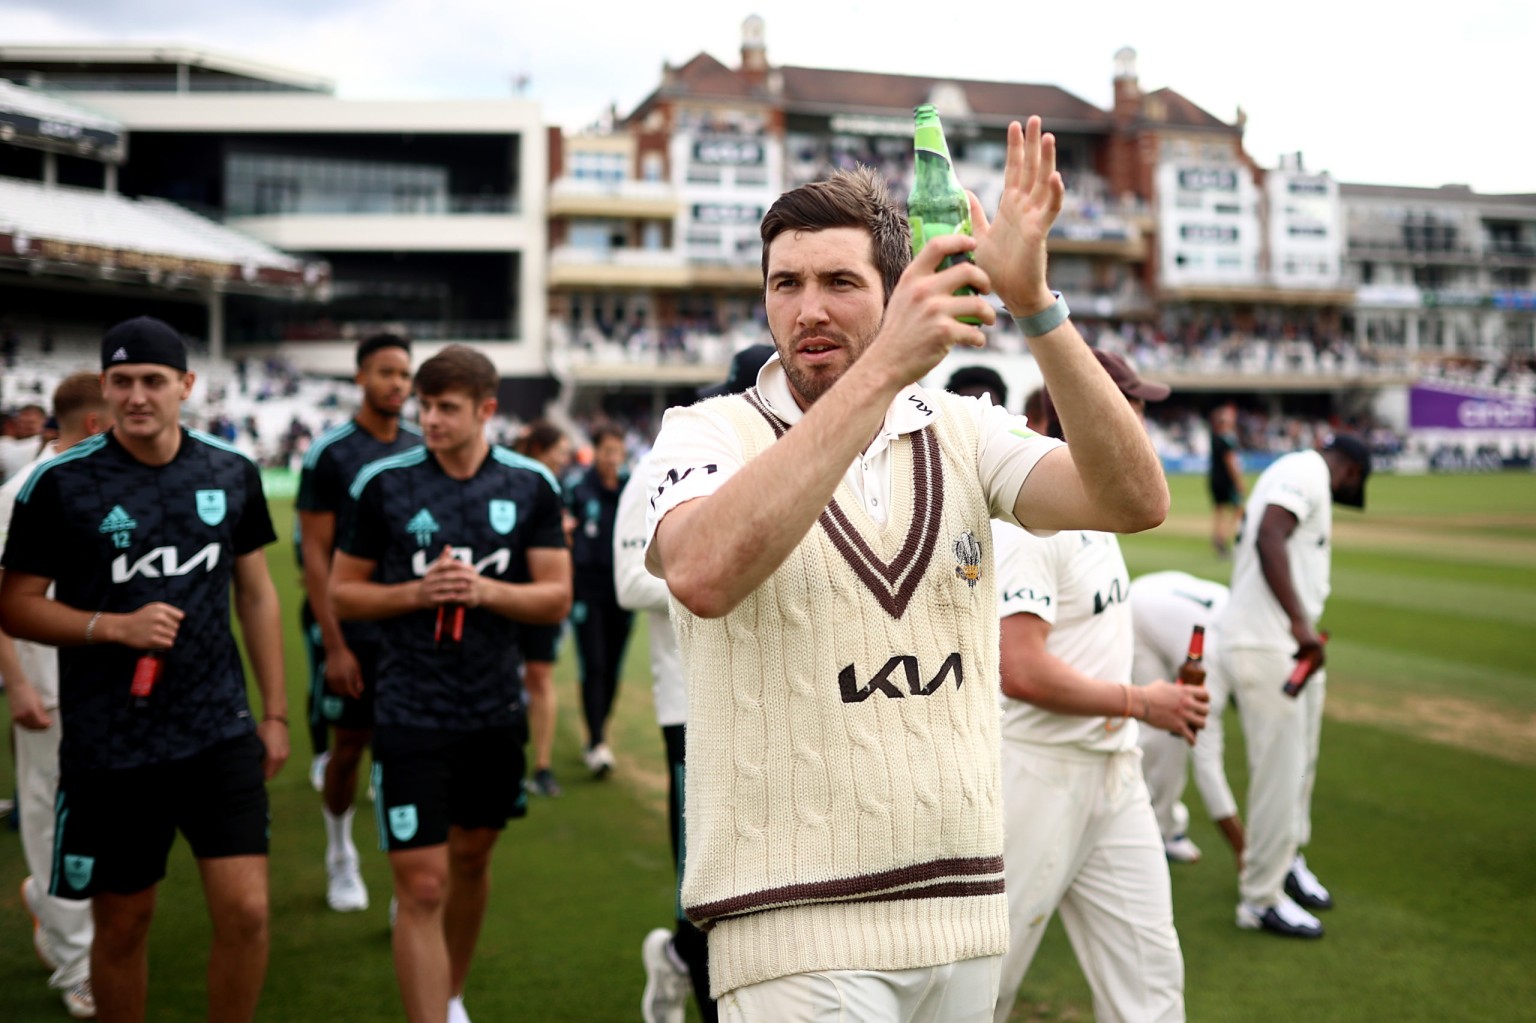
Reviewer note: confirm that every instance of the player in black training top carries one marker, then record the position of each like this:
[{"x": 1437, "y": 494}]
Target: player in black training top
[
  {"x": 1225, "y": 478},
  {"x": 343, "y": 658},
  {"x": 143, "y": 530},
  {"x": 436, "y": 541},
  {"x": 602, "y": 625}
]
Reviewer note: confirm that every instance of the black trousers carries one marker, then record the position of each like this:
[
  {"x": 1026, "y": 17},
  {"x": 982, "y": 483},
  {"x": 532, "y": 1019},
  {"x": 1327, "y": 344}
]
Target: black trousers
[
  {"x": 602, "y": 630},
  {"x": 691, "y": 943}
]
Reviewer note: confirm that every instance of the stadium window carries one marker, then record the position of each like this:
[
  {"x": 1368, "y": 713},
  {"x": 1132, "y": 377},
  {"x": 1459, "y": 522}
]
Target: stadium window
[{"x": 589, "y": 235}]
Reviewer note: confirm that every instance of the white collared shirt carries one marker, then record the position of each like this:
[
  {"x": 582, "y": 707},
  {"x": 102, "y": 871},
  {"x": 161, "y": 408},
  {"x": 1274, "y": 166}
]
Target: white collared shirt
[
  {"x": 40, "y": 663},
  {"x": 638, "y": 590},
  {"x": 695, "y": 436},
  {"x": 1253, "y": 618},
  {"x": 1076, "y": 582}
]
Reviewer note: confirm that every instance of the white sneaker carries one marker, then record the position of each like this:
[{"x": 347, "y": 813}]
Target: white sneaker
[
  {"x": 1303, "y": 886},
  {"x": 1180, "y": 817},
  {"x": 40, "y": 942},
  {"x": 345, "y": 891},
  {"x": 317, "y": 771},
  {"x": 599, "y": 759},
  {"x": 456, "y": 1013},
  {"x": 666, "y": 987},
  {"x": 80, "y": 1001},
  {"x": 1284, "y": 918},
  {"x": 1181, "y": 849}
]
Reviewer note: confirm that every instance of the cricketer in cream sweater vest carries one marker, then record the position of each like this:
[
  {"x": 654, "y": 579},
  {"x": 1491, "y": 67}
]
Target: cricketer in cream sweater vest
[{"x": 843, "y": 798}]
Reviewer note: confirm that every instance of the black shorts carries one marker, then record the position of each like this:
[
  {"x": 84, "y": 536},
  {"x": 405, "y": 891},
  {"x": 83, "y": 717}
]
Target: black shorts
[
  {"x": 426, "y": 780},
  {"x": 539, "y": 642},
  {"x": 113, "y": 829},
  {"x": 333, "y": 709},
  {"x": 1224, "y": 492}
]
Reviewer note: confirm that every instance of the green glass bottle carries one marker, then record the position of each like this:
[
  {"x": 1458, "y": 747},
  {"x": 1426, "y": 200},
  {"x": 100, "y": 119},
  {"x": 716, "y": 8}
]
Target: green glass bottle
[{"x": 937, "y": 204}]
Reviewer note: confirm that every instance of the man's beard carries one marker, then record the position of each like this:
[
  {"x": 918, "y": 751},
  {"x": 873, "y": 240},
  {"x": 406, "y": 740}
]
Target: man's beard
[
  {"x": 810, "y": 385},
  {"x": 379, "y": 410}
]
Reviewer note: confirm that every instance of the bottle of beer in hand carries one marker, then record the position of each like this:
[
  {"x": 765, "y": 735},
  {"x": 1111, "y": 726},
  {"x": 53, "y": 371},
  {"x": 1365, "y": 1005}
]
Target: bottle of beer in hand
[
  {"x": 937, "y": 204},
  {"x": 1192, "y": 671}
]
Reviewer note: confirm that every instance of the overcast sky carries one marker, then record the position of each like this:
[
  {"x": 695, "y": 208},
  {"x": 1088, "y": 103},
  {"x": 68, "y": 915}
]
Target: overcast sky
[{"x": 1374, "y": 92}]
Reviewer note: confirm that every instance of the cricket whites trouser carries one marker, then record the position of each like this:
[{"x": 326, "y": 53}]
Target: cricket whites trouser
[
  {"x": 65, "y": 922},
  {"x": 1080, "y": 837},
  {"x": 1283, "y": 735}
]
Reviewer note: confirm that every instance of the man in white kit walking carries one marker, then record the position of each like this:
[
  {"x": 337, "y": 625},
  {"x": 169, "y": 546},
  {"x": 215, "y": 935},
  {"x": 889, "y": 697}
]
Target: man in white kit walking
[
  {"x": 1080, "y": 834},
  {"x": 1165, "y": 608},
  {"x": 1280, "y": 582}
]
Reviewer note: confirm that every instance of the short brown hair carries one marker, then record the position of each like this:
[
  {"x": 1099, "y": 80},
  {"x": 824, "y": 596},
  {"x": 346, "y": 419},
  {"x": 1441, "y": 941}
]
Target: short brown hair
[
  {"x": 539, "y": 437},
  {"x": 457, "y": 368},
  {"x": 602, "y": 432},
  {"x": 856, "y": 198},
  {"x": 78, "y": 394}
]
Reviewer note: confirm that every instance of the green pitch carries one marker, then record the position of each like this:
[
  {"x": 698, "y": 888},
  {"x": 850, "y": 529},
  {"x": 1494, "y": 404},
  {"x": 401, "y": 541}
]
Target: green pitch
[{"x": 1424, "y": 822}]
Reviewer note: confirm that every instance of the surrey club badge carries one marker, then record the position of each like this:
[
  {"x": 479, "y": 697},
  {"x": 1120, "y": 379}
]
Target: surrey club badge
[{"x": 968, "y": 556}]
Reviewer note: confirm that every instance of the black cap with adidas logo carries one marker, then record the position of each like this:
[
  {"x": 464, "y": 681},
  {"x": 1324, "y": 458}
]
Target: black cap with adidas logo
[{"x": 144, "y": 339}]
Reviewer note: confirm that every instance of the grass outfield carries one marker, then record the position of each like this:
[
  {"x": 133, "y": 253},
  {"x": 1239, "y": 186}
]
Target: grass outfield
[{"x": 1424, "y": 820}]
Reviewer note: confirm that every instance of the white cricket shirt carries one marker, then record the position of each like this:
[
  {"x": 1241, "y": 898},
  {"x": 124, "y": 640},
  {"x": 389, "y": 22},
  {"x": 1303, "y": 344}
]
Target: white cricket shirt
[
  {"x": 1298, "y": 482},
  {"x": 39, "y": 662},
  {"x": 1077, "y": 582},
  {"x": 638, "y": 590},
  {"x": 1165, "y": 608}
]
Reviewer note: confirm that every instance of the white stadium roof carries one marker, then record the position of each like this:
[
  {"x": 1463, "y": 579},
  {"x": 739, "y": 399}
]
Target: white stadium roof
[
  {"x": 48, "y": 107},
  {"x": 34, "y": 119},
  {"x": 67, "y": 229}
]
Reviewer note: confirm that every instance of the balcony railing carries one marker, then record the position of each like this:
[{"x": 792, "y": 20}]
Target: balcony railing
[
  {"x": 573, "y": 255},
  {"x": 1398, "y": 247},
  {"x": 1506, "y": 247},
  {"x": 366, "y": 205},
  {"x": 416, "y": 330},
  {"x": 590, "y": 188}
]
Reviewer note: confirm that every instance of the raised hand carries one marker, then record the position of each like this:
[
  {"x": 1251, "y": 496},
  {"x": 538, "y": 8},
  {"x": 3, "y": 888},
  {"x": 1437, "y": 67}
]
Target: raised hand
[{"x": 1011, "y": 249}]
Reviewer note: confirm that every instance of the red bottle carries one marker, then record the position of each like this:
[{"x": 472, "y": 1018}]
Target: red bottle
[
  {"x": 1302, "y": 672},
  {"x": 449, "y": 631},
  {"x": 146, "y": 674}
]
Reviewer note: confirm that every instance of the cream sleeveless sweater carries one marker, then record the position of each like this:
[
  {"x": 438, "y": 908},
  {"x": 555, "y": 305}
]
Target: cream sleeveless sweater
[{"x": 842, "y": 789}]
